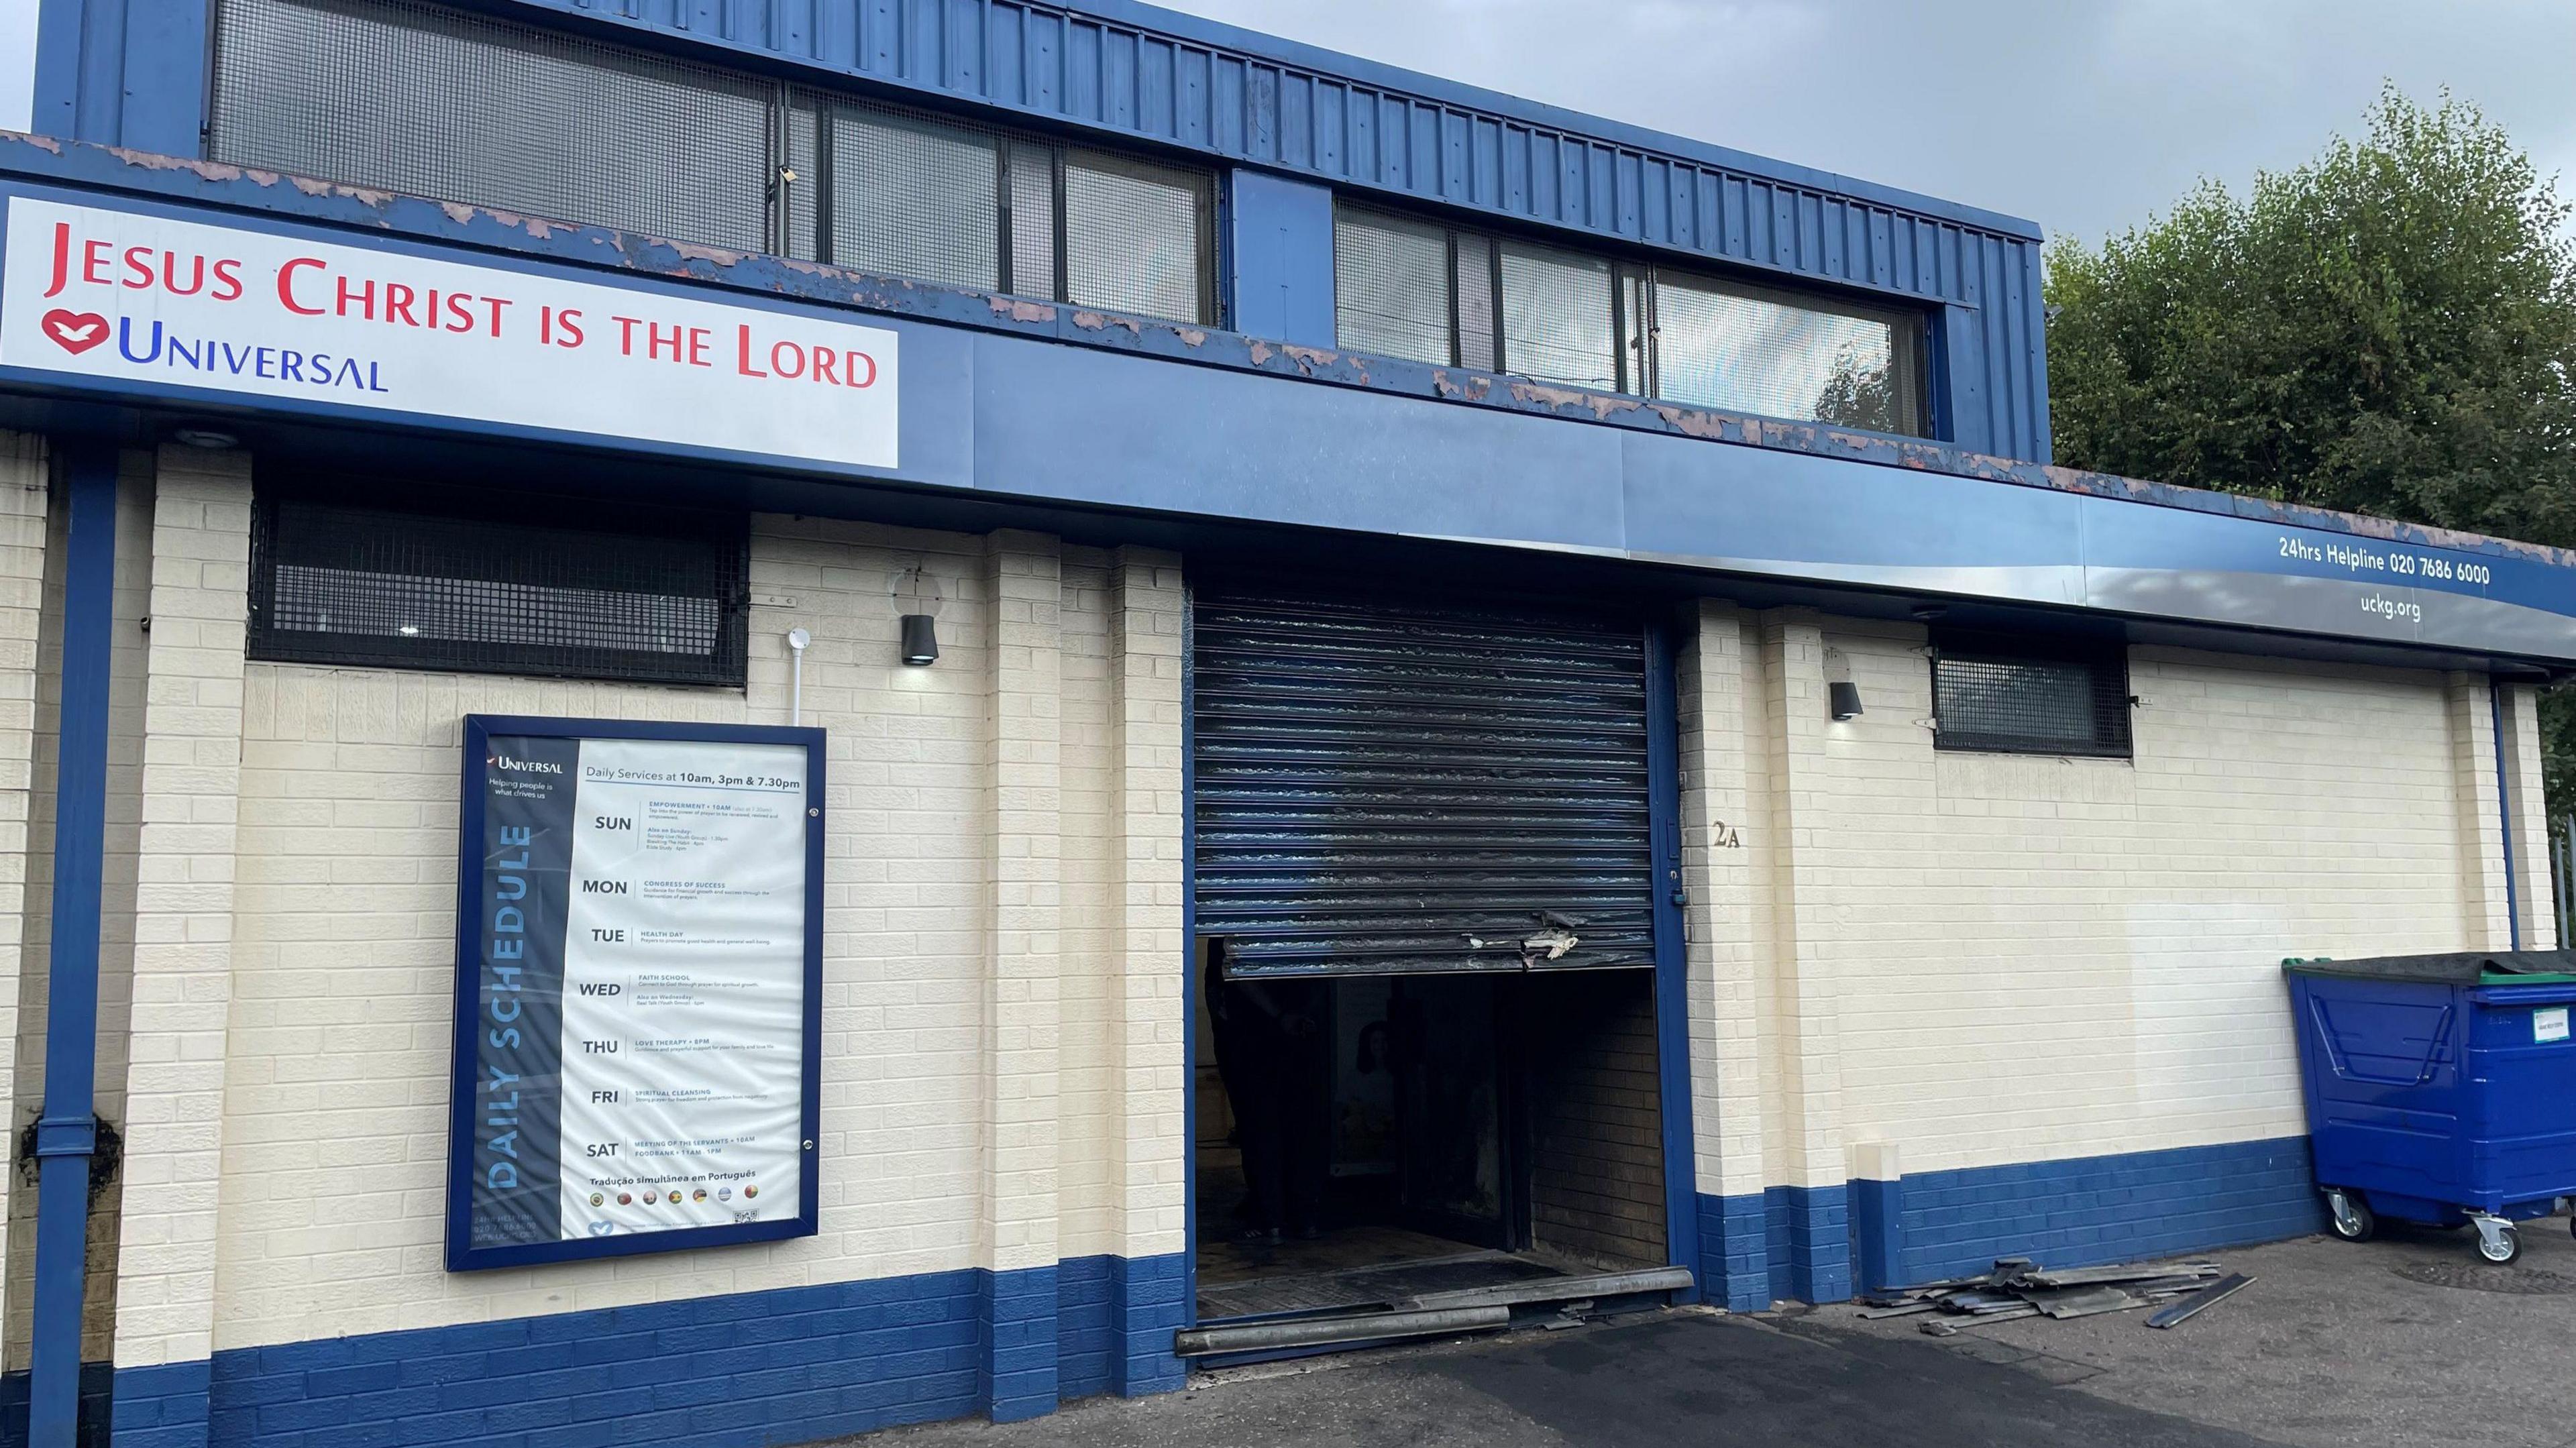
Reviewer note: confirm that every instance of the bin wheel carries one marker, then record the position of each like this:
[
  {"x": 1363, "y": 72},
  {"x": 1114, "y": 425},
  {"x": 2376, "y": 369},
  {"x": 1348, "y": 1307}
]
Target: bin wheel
[
  {"x": 2500, "y": 1247},
  {"x": 2350, "y": 1217}
]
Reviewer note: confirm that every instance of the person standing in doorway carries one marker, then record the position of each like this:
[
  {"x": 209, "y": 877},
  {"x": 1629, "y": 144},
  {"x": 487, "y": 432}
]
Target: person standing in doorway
[{"x": 1272, "y": 1056}]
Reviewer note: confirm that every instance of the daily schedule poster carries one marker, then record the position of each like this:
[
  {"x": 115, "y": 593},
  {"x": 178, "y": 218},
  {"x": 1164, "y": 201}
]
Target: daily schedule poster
[{"x": 638, "y": 957}]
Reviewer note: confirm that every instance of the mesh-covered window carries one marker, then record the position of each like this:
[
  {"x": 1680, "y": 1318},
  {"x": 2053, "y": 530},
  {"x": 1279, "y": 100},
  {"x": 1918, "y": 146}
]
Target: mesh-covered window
[
  {"x": 1722, "y": 345},
  {"x": 1391, "y": 287},
  {"x": 2017, "y": 696},
  {"x": 948, "y": 201},
  {"x": 1031, "y": 219},
  {"x": 1480, "y": 338},
  {"x": 434, "y": 101},
  {"x": 1566, "y": 316},
  {"x": 806, "y": 116},
  {"x": 916, "y": 199},
  {"x": 1557, "y": 317},
  {"x": 500, "y": 585},
  {"x": 437, "y": 102},
  {"x": 1135, "y": 236}
]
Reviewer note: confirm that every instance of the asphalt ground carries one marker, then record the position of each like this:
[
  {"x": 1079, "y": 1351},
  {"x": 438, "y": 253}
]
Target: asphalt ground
[{"x": 2408, "y": 1342}]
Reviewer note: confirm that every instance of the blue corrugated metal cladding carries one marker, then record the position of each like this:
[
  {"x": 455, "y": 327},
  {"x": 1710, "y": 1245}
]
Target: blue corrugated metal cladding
[{"x": 1154, "y": 76}]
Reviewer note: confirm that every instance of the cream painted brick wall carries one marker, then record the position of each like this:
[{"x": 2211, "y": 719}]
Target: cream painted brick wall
[
  {"x": 1724, "y": 808},
  {"x": 2048, "y": 957},
  {"x": 1952, "y": 959},
  {"x": 1025, "y": 897},
  {"x": 130, "y": 601},
  {"x": 2477, "y": 801},
  {"x": 23, "y": 507},
  {"x": 183, "y": 924},
  {"x": 2536, "y": 890},
  {"x": 1089, "y": 1114},
  {"x": 1147, "y": 1082},
  {"x": 952, "y": 1100},
  {"x": 1805, "y": 986}
]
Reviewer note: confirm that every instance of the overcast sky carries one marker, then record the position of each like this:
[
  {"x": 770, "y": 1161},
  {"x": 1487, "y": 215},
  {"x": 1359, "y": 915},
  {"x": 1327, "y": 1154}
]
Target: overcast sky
[{"x": 2081, "y": 115}]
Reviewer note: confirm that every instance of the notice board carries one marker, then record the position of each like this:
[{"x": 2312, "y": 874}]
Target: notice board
[{"x": 638, "y": 989}]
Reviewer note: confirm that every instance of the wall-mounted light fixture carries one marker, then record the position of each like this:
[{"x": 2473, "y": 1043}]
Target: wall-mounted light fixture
[
  {"x": 1842, "y": 693},
  {"x": 916, "y": 602},
  {"x": 920, "y": 640}
]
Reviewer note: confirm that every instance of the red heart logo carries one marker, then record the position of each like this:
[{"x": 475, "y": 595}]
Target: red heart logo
[{"x": 75, "y": 332}]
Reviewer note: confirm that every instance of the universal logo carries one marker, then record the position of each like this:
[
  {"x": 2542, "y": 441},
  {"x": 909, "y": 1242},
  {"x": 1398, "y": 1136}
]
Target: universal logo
[{"x": 528, "y": 766}]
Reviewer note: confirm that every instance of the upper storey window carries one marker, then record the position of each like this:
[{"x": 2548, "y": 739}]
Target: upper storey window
[
  {"x": 434, "y": 102},
  {"x": 1409, "y": 288},
  {"x": 896, "y": 191}
]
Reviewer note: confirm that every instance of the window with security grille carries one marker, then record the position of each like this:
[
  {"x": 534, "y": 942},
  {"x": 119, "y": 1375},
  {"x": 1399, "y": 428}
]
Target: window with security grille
[
  {"x": 917, "y": 199},
  {"x": 2018, "y": 696},
  {"x": 965, "y": 205},
  {"x": 1407, "y": 287},
  {"x": 1135, "y": 236},
  {"x": 1557, "y": 319},
  {"x": 949, "y": 201},
  {"x": 494, "y": 584},
  {"x": 1391, "y": 288},
  {"x": 434, "y": 101}
]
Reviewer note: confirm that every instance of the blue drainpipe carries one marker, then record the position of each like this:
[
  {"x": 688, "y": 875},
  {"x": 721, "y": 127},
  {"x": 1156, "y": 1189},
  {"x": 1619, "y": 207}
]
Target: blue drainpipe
[
  {"x": 2504, "y": 811},
  {"x": 66, "y": 1130}
]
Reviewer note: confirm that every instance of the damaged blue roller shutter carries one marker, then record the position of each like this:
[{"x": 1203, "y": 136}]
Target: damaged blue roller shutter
[{"x": 1389, "y": 787}]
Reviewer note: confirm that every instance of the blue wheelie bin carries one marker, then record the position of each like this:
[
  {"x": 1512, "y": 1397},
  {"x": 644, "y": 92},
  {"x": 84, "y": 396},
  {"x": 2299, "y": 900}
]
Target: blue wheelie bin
[{"x": 2440, "y": 1088}]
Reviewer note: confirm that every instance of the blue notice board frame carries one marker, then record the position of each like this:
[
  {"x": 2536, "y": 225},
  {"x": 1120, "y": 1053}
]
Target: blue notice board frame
[{"x": 466, "y": 1063}]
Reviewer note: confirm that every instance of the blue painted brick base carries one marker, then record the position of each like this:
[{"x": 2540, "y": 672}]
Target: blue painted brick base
[
  {"x": 751, "y": 1370},
  {"x": 1804, "y": 1242},
  {"x": 1114, "y": 1323},
  {"x": 1735, "y": 1252},
  {"x": 1017, "y": 1320},
  {"x": 162, "y": 1407},
  {"x": 2101, "y": 1209},
  {"x": 1785, "y": 1242},
  {"x": 1812, "y": 1245},
  {"x": 1878, "y": 1234},
  {"x": 1150, "y": 1301},
  {"x": 761, "y": 1370}
]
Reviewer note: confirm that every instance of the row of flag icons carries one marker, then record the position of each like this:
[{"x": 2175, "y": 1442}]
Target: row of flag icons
[{"x": 628, "y": 1199}]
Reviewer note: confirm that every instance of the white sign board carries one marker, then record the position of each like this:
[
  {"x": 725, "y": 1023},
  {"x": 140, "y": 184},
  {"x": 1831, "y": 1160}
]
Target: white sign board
[
  {"x": 633, "y": 1053},
  {"x": 122, "y": 296}
]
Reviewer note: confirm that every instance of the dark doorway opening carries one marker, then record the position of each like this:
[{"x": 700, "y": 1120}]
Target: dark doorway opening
[
  {"x": 1364, "y": 1141},
  {"x": 1430, "y": 879}
]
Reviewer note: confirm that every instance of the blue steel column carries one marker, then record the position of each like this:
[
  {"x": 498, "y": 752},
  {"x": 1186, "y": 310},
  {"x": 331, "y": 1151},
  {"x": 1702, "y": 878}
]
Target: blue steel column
[
  {"x": 2504, "y": 817},
  {"x": 66, "y": 1134},
  {"x": 1672, "y": 966}
]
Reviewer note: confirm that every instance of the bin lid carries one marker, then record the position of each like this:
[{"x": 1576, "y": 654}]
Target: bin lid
[{"x": 2468, "y": 967}]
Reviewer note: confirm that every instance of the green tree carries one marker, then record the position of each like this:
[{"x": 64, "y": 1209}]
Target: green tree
[{"x": 2388, "y": 329}]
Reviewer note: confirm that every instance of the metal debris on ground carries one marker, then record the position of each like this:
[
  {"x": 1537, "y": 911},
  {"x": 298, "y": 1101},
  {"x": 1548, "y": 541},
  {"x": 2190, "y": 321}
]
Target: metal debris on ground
[
  {"x": 2019, "y": 1288},
  {"x": 2190, "y": 1307}
]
